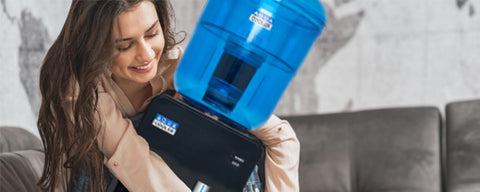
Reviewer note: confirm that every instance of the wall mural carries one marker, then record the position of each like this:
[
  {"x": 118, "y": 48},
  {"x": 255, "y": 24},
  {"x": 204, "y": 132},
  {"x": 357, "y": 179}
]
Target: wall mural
[
  {"x": 463, "y": 3},
  {"x": 33, "y": 46},
  {"x": 35, "y": 43},
  {"x": 300, "y": 97},
  {"x": 20, "y": 56}
]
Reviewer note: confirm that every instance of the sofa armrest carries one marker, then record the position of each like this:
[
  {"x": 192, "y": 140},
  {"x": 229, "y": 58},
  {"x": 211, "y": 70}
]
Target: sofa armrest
[
  {"x": 18, "y": 139},
  {"x": 463, "y": 146},
  {"x": 21, "y": 160}
]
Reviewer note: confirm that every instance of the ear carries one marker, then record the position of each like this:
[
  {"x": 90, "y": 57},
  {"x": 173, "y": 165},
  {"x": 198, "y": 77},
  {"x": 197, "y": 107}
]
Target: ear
[{"x": 175, "y": 53}]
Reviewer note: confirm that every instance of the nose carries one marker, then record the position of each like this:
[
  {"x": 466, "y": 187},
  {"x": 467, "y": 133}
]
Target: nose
[{"x": 145, "y": 52}]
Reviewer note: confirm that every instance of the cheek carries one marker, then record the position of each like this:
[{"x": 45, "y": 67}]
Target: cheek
[
  {"x": 158, "y": 46},
  {"x": 121, "y": 61}
]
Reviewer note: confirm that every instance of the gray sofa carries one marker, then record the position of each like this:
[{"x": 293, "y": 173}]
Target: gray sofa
[
  {"x": 396, "y": 149},
  {"x": 377, "y": 150},
  {"x": 21, "y": 160},
  {"x": 410, "y": 149}
]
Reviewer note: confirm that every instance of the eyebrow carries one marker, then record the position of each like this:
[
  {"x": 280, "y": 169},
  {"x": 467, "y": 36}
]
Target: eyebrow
[{"x": 130, "y": 38}]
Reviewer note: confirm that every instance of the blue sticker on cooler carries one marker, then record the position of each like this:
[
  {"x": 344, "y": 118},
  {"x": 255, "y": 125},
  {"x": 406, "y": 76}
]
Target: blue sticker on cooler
[
  {"x": 263, "y": 18},
  {"x": 165, "y": 124}
]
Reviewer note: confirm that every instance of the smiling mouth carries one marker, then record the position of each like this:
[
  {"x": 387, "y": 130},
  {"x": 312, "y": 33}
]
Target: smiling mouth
[{"x": 144, "y": 66}]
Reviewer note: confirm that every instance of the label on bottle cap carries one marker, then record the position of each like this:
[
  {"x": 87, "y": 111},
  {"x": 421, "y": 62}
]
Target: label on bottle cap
[{"x": 263, "y": 18}]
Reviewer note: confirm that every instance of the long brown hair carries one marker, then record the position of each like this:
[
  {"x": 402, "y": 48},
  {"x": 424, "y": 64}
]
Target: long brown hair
[{"x": 70, "y": 71}]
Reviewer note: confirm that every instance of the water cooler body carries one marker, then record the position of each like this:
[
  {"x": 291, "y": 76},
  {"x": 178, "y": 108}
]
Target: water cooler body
[{"x": 244, "y": 53}]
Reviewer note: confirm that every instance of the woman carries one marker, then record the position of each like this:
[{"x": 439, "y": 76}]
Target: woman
[{"x": 109, "y": 60}]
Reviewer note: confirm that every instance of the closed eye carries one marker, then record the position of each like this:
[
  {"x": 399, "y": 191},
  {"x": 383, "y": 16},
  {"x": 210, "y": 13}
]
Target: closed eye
[
  {"x": 121, "y": 49},
  {"x": 152, "y": 35},
  {"x": 155, "y": 33}
]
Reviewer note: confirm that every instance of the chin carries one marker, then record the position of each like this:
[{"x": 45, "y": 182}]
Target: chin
[{"x": 147, "y": 79}]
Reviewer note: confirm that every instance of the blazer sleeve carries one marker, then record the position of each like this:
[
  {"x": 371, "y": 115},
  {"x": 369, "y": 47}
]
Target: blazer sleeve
[
  {"x": 127, "y": 155},
  {"x": 282, "y": 150}
]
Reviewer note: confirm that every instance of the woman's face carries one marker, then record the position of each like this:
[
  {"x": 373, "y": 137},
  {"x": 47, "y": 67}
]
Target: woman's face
[{"x": 139, "y": 44}]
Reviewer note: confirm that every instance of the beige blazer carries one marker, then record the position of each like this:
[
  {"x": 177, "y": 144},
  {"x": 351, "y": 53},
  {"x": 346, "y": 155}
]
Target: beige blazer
[{"x": 128, "y": 157}]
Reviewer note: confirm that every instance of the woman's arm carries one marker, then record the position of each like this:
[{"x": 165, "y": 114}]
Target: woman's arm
[
  {"x": 127, "y": 155},
  {"x": 282, "y": 150}
]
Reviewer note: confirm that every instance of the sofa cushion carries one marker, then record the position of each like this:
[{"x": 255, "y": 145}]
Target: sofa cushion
[
  {"x": 463, "y": 146},
  {"x": 395, "y": 149}
]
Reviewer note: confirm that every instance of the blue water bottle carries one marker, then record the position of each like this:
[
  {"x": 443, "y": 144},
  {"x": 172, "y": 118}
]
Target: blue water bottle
[{"x": 244, "y": 53}]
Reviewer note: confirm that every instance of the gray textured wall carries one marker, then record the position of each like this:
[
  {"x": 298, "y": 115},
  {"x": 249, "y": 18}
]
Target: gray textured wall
[{"x": 374, "y": 53}]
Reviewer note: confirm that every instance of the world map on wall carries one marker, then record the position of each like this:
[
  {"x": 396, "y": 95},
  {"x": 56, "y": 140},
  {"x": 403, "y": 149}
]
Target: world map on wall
[
  {"x": 465, "y": 3},
  {"x": 34, "y": 44},
  {"x": 338, "y": 32},
  {"x": 300, "y": 97}
]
